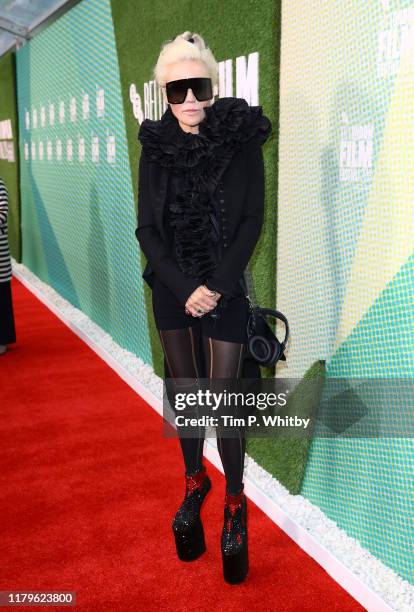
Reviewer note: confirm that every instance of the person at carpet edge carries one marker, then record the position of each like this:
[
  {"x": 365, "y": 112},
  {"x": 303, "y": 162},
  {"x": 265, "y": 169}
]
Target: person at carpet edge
[
  {"x": 200, "y": 215},
  {"x": 7, "y": 327}
]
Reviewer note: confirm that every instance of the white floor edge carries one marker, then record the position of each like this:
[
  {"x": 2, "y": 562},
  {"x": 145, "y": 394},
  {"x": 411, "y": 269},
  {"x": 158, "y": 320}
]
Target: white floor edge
[{"x": 374, "y": 585}]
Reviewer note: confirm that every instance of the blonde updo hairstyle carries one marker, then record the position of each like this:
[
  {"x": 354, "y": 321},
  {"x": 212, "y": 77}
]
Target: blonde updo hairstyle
[{"x": 181, "y": 48}]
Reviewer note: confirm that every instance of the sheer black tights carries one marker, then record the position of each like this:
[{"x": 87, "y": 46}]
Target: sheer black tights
[{"x": 189, "y": 356}]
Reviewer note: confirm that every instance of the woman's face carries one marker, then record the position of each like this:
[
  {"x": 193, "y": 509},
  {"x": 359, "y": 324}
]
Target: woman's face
[{"x": 187, "y": 69}]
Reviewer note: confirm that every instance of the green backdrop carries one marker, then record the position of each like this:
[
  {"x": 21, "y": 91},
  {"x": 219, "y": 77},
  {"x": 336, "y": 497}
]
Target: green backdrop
[{"x": 9, "y": 162}]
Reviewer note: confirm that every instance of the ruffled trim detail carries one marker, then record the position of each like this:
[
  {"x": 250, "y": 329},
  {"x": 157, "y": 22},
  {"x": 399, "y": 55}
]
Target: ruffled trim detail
[
  {"x": 194, "y": 236},
  {"x": 232, "y": 120},
  {"x": 197, "y": 160},
  {"x": 228, "y": 121}
]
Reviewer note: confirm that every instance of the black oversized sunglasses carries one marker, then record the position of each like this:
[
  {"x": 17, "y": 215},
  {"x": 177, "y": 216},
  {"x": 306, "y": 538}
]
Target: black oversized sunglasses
[{"x": 177, "y": 90}]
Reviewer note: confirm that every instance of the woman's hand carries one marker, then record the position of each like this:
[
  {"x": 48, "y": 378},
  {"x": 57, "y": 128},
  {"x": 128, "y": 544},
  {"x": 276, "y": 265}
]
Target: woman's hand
[{"x": 201, "y": 299}]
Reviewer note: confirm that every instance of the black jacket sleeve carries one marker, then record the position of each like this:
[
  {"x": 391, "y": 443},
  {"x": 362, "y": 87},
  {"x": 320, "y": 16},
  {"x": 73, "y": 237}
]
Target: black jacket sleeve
[
  {"x": 236, "y": 257},
  {"x": 154, "y": 247}
]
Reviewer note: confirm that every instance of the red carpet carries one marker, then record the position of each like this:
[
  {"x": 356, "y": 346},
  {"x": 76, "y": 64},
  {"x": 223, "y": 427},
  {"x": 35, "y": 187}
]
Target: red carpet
[{"x": 89, "y": 487}]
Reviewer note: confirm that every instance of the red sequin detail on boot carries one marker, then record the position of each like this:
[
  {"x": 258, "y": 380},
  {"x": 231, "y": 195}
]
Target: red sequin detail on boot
[
  {"x": 195, "y": 481},
  {"x": 233, "y": 502}
]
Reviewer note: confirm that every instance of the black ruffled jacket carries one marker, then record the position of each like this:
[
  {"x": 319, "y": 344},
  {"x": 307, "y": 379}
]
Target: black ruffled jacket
[{"x": 230, "y": 137}]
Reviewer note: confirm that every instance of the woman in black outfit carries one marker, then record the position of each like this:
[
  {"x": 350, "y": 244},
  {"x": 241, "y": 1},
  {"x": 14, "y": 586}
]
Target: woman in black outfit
[{"x": 200, "y": 214}]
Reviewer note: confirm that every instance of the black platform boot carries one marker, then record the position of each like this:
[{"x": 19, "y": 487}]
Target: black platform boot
[
  {"x": 234, "y": 551},
  {"x": 187, "y": 526}
]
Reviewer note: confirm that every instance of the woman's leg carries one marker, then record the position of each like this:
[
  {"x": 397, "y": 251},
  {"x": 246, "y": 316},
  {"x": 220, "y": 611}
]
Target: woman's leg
[
  {"x": 181, "y": 350},
  {"x": 7, "y": 328},
  {"x": 182, "y": 356},
  {"x": 224, "y": 360}
]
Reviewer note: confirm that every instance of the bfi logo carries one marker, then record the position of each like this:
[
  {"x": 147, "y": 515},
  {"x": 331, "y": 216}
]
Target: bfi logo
[{"x": 356, "y": 153}]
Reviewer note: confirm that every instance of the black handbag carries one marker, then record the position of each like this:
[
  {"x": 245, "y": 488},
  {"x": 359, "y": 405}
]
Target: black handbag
[{"x": 263, "y": 346}]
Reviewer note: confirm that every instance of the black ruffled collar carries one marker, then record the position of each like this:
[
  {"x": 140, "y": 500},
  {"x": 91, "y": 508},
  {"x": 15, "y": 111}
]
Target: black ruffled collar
[{"x": 228, "y": 122}]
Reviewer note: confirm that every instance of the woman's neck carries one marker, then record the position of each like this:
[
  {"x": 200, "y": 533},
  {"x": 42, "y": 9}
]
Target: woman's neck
[{"x": 192, "y": 129}]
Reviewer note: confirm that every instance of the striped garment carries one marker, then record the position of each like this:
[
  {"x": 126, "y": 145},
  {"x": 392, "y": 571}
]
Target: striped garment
[{"x": 5, "y": 261}]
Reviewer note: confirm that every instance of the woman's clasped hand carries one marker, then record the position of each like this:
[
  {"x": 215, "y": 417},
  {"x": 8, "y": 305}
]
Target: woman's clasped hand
[{"x": 201, "y": 301}]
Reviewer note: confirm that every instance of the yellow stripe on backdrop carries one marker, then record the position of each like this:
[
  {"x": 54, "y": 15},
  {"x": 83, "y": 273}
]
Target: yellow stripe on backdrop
[{"x": 386, "y": 239}]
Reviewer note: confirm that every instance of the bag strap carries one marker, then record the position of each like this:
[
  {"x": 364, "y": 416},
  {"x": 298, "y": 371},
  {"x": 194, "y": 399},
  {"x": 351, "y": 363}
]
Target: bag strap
[
  {"x": 251, "y": 297},
  {"x": 277, "y": 315},
  {"x": 251, "y": 293}
]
